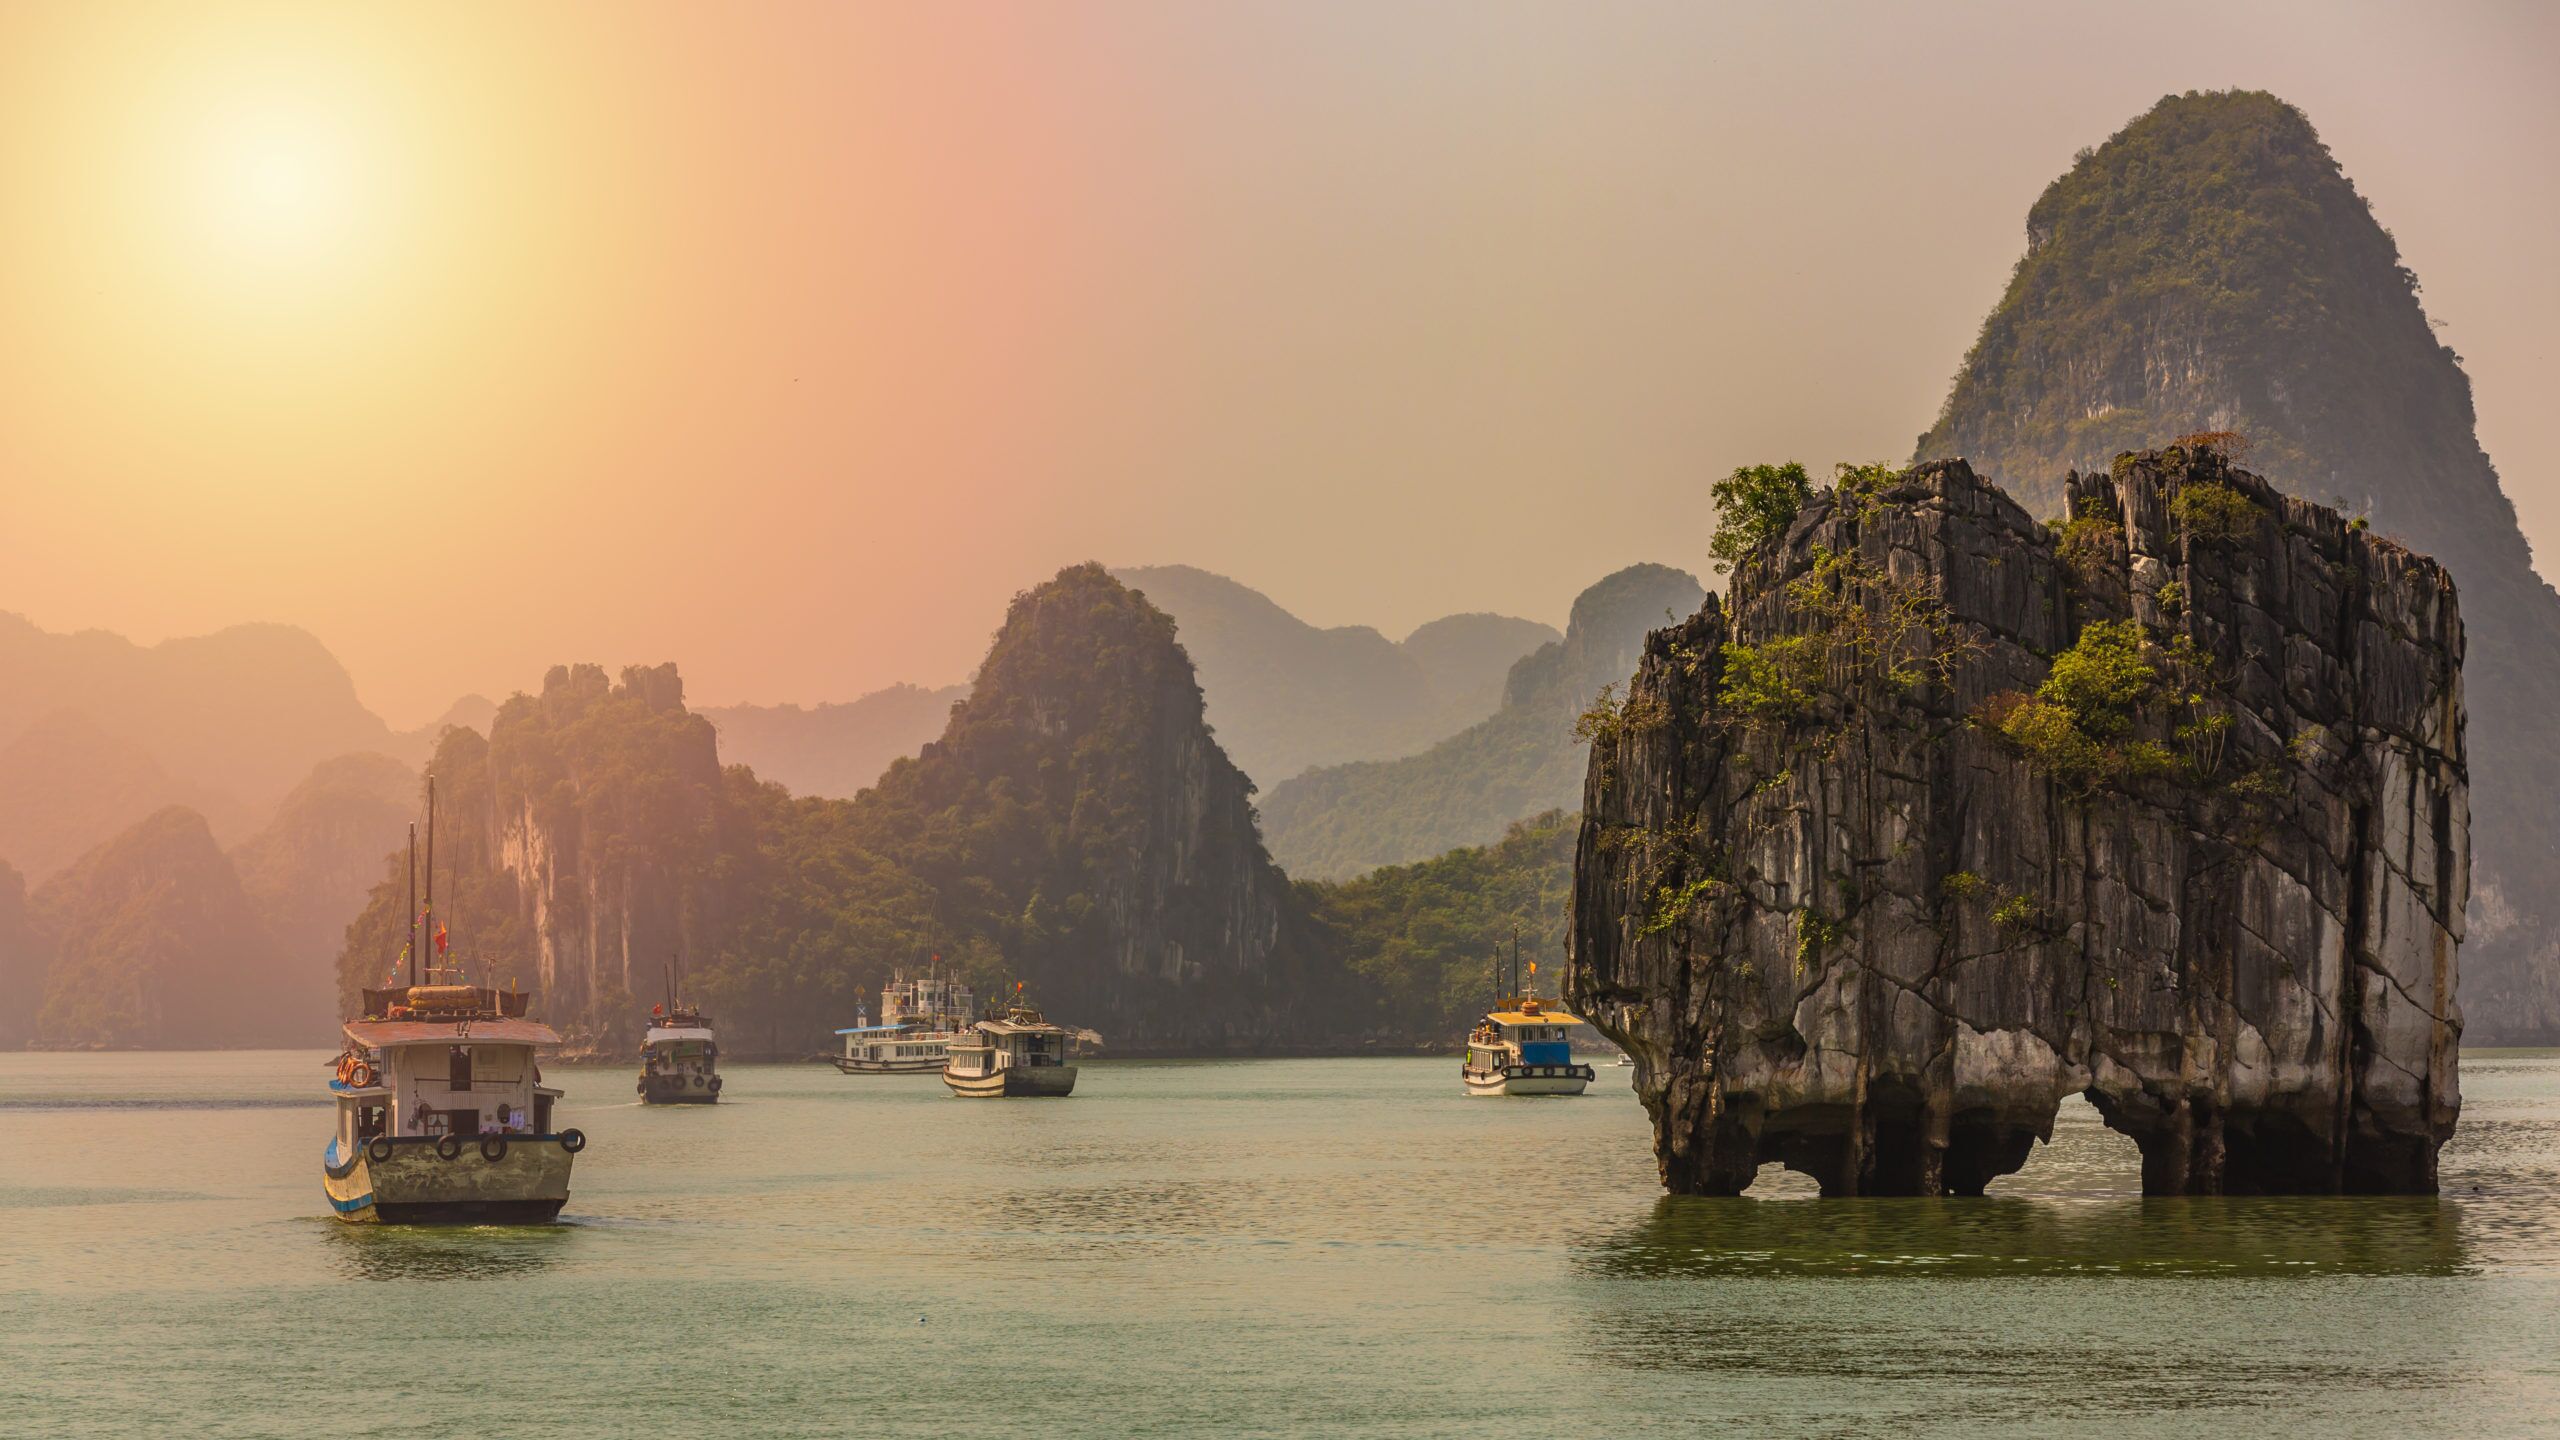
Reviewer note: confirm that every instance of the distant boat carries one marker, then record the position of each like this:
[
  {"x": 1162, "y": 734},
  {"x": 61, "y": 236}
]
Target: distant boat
[
  {"x": 919, "y": 1019},
  {"x": 1522, "y": 1047},
  {"x": 679, "y": 1056},
  {"x": 1019, "y": 1055},
  {"x": 442, "y": 1113},
  {"x": 679, "y": 1059}
]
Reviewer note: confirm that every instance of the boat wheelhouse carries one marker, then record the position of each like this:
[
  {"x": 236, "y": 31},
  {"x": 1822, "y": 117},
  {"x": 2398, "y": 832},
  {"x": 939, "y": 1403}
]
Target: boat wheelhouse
[
  {"x": 442, "y": 1113},
  {"x": 1019, "y": 1055},
  {"x": 1524, "y": 1047},
  {"x": 919, "y": 1019},
  {"x": 679, "y": 1058}
]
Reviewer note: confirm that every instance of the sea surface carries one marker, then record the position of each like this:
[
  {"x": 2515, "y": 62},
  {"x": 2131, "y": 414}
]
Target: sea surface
[{"x": 1318, "y": 1247}]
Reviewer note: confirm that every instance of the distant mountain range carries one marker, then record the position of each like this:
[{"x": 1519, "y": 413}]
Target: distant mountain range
[
  {"x": 833, "y": 749},
  {"x": 1285, "y": 695},
  {"x": 1339, "y": 821},
  {"x": 97, "y": 732}
]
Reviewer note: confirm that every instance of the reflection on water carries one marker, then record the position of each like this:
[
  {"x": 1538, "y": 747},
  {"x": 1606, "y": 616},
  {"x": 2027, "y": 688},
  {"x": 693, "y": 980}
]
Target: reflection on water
[
  {"x": 437, "y": 1252},
  {"x": 1699, "y": 1236}
]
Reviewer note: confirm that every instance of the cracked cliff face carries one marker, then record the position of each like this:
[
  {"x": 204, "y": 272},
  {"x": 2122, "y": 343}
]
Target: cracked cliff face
[{"x": 1949, "y": 815}]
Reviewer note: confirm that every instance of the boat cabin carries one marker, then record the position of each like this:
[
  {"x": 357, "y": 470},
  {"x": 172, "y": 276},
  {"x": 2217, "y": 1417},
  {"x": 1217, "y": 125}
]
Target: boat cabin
[
  {"x": 435, "y": 1060},
  {"x": 1011, "y": 1044}
]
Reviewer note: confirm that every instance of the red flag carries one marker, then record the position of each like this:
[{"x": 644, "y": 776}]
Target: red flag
[{"x": 441, "y": 932}]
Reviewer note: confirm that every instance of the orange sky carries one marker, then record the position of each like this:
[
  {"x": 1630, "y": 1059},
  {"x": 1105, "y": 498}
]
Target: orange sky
[{"x": 477, "y": 337}]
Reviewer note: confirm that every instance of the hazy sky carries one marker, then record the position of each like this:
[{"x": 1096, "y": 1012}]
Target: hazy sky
[{"x": 787, "y": 342}]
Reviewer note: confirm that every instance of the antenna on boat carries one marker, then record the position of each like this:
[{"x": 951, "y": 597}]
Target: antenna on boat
[
  {"x": 427, "y": 917},
  {"x": 410, "y": 950}
]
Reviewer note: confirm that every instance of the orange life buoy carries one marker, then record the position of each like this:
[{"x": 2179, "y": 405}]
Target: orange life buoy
[{"x": 359, "y": 1076}]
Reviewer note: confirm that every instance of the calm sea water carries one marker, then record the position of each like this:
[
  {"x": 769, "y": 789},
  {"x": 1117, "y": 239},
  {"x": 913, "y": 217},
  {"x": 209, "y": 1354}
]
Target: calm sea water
[{"x": 1344, "y": 1247}]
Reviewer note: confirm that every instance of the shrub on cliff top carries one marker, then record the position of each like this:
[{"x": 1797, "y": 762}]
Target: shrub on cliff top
[
  {"x": 1755, "y": 505},
  {"x": 2215, "y": 513}
]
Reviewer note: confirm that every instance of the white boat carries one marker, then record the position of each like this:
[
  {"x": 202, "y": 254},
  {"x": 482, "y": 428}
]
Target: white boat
[
  {"x": 442, "y": 1113},
  {"x": 1019, "y": 1055},
  {"x": 919, "y": 1019},
  {"x": 679, "y": 1059},
  {"x": 1523, "y": 1047}
]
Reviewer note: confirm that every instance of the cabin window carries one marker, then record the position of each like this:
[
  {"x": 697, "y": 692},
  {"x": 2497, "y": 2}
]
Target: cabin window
[
  {"x": 542, "y": 1114},
  {"x": 370, "y": 1121},
  {"x": 458, "y": 1067}
]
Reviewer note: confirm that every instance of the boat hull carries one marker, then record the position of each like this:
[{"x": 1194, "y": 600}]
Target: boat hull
[
  {"x": 679, "y": 1089},
  {"x": 1529, "y": 1080},
  {"x": 914, "y": 1065},
  {"x": 1015, "y": 1082},
  {"x": 526, "y": 1182}
]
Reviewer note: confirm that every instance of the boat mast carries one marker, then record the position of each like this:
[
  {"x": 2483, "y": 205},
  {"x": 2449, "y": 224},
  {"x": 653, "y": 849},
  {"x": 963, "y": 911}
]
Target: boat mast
[{"x": 411, "y": 949}]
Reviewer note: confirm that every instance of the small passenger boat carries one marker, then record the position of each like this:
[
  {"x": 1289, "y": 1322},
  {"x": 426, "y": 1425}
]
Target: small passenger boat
[
  {"x": 442, "y": 1113},
  {"x": 1521, "y": 1047},
  {"x": 679, "y": 1058},
  {"x": 1019, "y": 1055},
  {"x": 919, "y": 1019}
]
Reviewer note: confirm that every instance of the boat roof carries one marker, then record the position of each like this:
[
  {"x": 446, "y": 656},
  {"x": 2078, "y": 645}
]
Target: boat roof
[
  {"x": 378, "y": 1034},
  {"x": 1544, "y": 1016},
  {"x": 659, "y": 1034},
  {"x": 1017, "y": 1027}
]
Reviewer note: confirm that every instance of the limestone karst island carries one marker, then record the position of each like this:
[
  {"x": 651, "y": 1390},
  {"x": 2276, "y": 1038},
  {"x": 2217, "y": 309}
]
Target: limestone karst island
[{"x": 1339, "y": 720}]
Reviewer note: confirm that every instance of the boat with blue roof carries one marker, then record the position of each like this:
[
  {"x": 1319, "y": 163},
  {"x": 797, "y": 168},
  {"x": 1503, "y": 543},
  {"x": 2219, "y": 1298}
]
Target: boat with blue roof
[{"x": 1524, "y": 1046}]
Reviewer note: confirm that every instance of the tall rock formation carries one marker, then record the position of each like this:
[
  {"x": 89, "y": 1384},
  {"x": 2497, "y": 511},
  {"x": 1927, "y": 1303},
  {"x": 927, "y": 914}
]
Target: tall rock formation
[
  {"x": 155, "y": 947},
  {"x": 587, "y": 843},
  {"x": 1342, "y": 820},
  {"x": 2211, "y": 269},
  {"x": 1946, "y": 816},
  {"x": 1285, "y": 695},
  {"x": 1078, "y": 822},
  {"x": 1075, "y": 829}
]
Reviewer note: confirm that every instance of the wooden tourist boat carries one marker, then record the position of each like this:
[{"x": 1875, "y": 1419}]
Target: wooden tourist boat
[
  {"x": 1017, "y": 1056},
  {"x": 1523, "y": 1046},
  {"x": 442, "y": 1113},
  {"x": 679, "y": 1058}
]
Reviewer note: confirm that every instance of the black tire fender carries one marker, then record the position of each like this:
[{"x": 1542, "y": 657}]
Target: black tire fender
[
  {"x": 715, "y": 1084},
  {"x": 573, "y": 1141},
  {"x": 493, "y": 1148},
  {"x": 378, "y": 1149},
  {"x": 448, "y": 1146}
]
